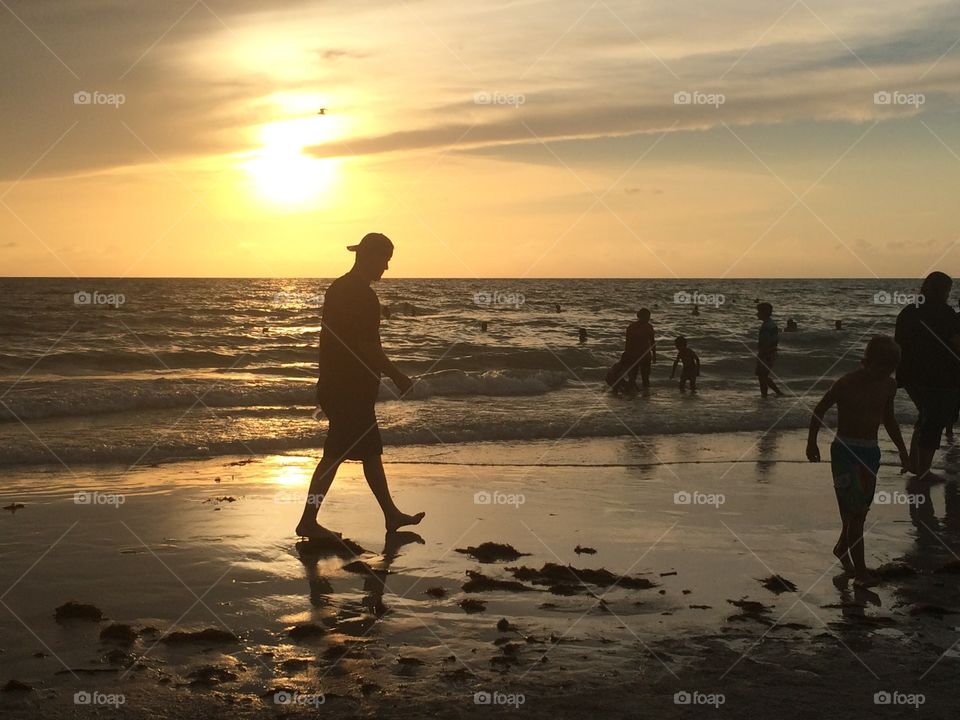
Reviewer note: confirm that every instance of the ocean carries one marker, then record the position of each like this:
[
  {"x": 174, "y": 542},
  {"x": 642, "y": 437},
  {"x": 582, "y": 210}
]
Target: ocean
[{"x": 134, "y": 371}]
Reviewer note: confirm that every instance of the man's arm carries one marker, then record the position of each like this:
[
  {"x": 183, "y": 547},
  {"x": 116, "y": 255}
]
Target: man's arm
[
  {"x": 892, "y": 427},
  {"x": 372, "y": 355},
  {"x": 816, "y": 421}
]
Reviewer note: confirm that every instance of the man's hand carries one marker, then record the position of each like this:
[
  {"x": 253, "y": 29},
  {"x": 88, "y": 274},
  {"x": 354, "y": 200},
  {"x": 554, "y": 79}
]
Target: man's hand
[
  {"x": 402, "y": 382},
  {"x": 813, "y": 452}
]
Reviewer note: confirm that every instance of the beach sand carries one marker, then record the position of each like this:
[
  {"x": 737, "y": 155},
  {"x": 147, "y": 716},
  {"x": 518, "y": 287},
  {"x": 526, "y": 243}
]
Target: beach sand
[{"x": 378, "y": 625}]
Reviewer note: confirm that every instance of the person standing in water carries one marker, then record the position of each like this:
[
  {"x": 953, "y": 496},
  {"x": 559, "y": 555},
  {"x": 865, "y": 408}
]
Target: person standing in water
[
  {"x": 640, "y": 349},
  {"x": 928, "y": 333},
  {"x": 690, "y": 364},
  {"x": 767, "y": 341},
  {"x": 351, "y": 363}
]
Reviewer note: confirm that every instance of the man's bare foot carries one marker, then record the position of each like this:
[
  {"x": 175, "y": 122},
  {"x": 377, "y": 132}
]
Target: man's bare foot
[
  {"x": 844, "y": 558},
  {"x": 312, "y": 530},
  {"x": 400, "y": 520},
  {"x": 865, "y": 579}
]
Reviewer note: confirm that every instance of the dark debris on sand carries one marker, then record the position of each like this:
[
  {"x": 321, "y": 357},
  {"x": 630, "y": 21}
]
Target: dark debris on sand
[
  {"x": 559, "y": 578},
  {"x": 14, "y": 685},
  {"x": 489, "y": 552},
  {"x": 479, "y": 582},
  {"x": 13, "y": 507},
  {"x": 332, "y": 546},
  {"x": 211, "y": 675},
  {"x": 435, "y": 592},
  {"x": 119, "y": 633},
  {"x": 470, "y": 606},
  {"x": 78, "y": 611},
  {"x": 778, "y": 584},
  {"x": 207, "y": 635},
  {"x": 750, "y": 610},
  {"x": 306, "y": 631},
  {"x": 580, "y": 550}
]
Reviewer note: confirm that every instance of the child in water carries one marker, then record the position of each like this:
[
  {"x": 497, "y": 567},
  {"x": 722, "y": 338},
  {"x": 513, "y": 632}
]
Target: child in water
[
  {"x": 864, "y": 400},
  {"x": 691, "y": 364},
  {"x": 767, "y": 341}
]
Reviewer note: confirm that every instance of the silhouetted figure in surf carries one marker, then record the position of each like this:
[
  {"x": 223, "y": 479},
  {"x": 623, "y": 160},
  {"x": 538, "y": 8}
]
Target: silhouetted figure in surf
[
  {"x": 838, "y": 325},
  {"x": 929, "y": 336},
  {"x": 864, "y": 400},
  {"x": 791, "y": 325},
  {"x": 640, "y": 350},
  {"x": 767, "y": 341},
  {"x": 351, "y": 363},
  {"x": 956, "y": 413},
  {"x": 690, "y": 364}
]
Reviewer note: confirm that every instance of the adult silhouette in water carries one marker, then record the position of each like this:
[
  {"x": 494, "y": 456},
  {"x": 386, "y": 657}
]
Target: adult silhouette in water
[
  {"x": 351, "y": 363},
  {"x": 929, "y": 336},
  {"x": 640, "y": 349}
]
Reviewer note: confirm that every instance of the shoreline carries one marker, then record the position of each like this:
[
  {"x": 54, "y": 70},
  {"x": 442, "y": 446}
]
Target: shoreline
[{"x": 694, "y": 592}]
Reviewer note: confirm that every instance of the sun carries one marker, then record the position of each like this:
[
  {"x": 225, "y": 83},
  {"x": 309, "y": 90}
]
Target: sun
[{"x": 282, "y": 173}]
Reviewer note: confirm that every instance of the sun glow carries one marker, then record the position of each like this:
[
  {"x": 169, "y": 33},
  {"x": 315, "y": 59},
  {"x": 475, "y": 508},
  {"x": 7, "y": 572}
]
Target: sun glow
[{"x": 280, "y": 170}]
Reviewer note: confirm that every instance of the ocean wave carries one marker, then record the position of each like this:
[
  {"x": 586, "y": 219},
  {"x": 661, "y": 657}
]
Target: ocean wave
[
  {"x": 32, "y": 400},
  {"x": 309, "y": 435}
]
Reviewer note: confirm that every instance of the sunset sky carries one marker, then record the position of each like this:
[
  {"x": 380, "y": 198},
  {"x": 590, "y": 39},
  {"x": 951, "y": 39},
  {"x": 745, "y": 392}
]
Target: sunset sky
[{"x": 518, "y": 139}]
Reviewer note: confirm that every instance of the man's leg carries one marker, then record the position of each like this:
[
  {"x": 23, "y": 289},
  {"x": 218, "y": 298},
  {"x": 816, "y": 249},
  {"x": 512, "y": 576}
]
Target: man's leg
[
  {"x": 645, "y": 371},
  {"x": 377, "y": 480},
  {"x": 320, "y": 484}
]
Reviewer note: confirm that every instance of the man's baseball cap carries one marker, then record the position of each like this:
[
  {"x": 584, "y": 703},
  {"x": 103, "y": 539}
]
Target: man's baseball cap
[{"x": 373, "y": 242}]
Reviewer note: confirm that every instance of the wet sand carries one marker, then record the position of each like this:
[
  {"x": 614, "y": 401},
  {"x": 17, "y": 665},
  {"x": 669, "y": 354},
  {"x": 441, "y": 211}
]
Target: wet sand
[{"x": 211, "y": 606}]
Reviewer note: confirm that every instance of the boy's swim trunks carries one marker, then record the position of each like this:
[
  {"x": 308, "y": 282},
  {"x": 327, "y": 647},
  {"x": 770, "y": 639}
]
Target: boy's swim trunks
[{"x": 854, "y": 463}]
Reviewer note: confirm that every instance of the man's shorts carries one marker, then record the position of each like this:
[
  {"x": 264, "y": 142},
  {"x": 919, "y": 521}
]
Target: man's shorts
[
  {"x": 353, "y": 433},
  {"x": 765, "y": 363},
  {"x": 936, "y": 408},
  {"x": 854, "y": 464}
]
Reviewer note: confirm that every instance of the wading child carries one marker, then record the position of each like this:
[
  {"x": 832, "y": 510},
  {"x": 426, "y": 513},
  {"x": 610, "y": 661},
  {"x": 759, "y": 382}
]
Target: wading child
[
  {"x": 767, "y": 340},
  {"x": 864, "y": 400},
  {"x": 691, "y": 364}
]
